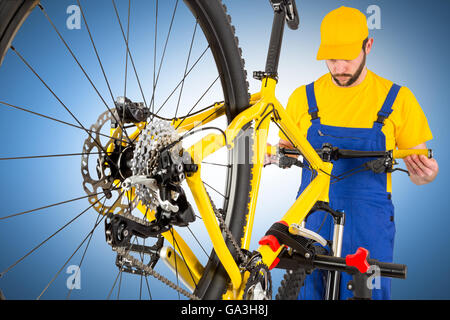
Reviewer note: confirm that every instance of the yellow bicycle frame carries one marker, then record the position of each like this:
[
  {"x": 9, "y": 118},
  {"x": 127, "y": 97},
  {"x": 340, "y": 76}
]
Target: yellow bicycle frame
[{"x": 264, "y": 107}]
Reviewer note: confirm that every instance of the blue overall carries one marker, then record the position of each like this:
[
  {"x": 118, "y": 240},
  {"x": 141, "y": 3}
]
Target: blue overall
[{"x": 369, "y": 212}]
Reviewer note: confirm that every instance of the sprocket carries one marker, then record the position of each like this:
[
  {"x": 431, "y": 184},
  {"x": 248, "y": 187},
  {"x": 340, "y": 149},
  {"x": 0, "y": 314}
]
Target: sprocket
[
  {"x": 155, "y": 137},
  {"x": 259, "y": 283}
]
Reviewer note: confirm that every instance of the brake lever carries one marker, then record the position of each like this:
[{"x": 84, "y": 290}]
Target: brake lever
[
  {"x": 382, "y": 165},
  {"x": 285, "y": 162},
  {"x": 400, "y": 169},
  {"x": 281, "y": 158}
]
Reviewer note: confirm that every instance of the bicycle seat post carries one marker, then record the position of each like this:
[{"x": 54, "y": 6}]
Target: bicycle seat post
[{"x": 276, "y": 38}]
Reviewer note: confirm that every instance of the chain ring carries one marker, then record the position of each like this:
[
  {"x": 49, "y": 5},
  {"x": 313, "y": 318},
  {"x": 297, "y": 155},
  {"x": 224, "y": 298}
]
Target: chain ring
[{"x": 259, "y": 284}]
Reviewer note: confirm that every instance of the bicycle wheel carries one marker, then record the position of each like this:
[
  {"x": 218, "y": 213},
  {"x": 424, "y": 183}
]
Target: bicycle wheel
[
  {"x": 291, "y": 284},
  {"x": 222, "y": 43}
]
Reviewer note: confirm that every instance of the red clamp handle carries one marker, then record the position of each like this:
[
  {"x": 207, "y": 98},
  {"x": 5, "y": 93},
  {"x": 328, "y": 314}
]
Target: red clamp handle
[
  {"x": 270, "y": 241},
  {"x": 358, "y": 260}
]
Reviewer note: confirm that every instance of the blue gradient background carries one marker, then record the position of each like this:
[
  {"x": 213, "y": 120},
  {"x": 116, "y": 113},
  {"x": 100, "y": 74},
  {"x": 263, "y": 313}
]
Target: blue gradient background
[{"x": 410, "y": 49}]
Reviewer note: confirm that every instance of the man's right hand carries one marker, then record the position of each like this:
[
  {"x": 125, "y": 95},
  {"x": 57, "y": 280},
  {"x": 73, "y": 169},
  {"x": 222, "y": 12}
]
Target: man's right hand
[{"x": 270, "y": 158}]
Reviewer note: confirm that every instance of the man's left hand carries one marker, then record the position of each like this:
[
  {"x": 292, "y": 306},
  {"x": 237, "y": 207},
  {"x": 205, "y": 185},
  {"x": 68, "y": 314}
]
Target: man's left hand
[{"x": 422, "y": 169}]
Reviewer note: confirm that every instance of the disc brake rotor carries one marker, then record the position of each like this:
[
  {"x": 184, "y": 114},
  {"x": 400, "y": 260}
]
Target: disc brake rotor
[{"x": 102, "y": 181}]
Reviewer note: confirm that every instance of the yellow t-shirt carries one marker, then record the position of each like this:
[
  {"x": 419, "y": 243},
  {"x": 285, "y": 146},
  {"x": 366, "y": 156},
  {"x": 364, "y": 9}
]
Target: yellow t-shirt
[{"x": 357, "y": 107}]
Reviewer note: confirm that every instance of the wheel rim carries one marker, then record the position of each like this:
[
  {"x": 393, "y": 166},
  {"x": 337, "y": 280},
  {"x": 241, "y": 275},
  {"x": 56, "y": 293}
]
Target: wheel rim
[{"x": 30, "y": 259}]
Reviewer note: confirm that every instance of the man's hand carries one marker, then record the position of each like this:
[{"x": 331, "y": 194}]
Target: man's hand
[
  {"x": 422, "y": 169},
  {"x": 270, "y": 159}
]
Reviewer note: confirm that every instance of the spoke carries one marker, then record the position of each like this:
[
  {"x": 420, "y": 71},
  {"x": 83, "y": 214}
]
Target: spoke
[
  {"x": 199, "y": 243},
  {"x": 81, "y": 67},
  {"x": 51, "y": 205},
  {"x": 196, "y": 103},
  {"x": 49, "y": 156},
  {"x": 62, "y": 103},
  {"x": 186, "y": 67},
  {"x": 215, "y": 190},
  {"x": 146, "y": 278},
  {"x": 60, "y": 121},
  {"x": 142, "y": 275},
  {"x": 155, "y": 115},
  {"x": 142, "y": 259},
  {"x": 48, "y": 238},
  {"x": 114, "y": 284},
  {"x": 148, "y": 288},
  {"x": 120, "y": 285},
  {"x": 84, "y": 253},
  {"x": 152, "y": 101},
  {"x": 127, "y": 49},
  {"x": 217, "y": 164},
  {"x": 125, "y": 80},
  {"x": 154, "y": 53},
  {"x": 78, "y": 248},
  {"x": 175, "y": 258},
  {"x": 181, "y": 81},
  {"x": 182, "y": 256},
  {"x": 129, "y": 52},
  {"x": 95, "y": 49}
]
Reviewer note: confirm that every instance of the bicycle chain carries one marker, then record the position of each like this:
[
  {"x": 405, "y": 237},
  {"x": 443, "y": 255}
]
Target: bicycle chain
[
  {"x": 135, "y": 263},
  {"x": 224, "y": 228}
]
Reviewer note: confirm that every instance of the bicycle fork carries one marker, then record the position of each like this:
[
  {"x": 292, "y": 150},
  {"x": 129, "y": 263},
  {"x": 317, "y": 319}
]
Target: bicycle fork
[{"x": 334, "y": 277}]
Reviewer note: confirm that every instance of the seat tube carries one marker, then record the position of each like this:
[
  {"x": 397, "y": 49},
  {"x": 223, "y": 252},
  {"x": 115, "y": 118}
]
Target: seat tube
[
  {"x": 276, "y": 38},
  {"x": 334, "y": 277}
]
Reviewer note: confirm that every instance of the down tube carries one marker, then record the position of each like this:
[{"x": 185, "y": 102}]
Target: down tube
[
  {"x": 298, "y": 211},
  {"x": 317, "y": 190}
]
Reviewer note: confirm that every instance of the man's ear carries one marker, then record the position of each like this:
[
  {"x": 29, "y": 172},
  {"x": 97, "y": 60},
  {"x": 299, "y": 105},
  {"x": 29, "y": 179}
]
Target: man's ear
[{"x": 369, "y": 45}]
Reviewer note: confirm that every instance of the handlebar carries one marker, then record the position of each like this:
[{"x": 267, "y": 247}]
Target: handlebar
[
  {"x": 350, "y": 154},
  {"x": 391, "y": 270}
]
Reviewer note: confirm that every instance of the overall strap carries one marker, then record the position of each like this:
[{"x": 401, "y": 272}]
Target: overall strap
[
  {"x": 386, "y": 109},
  {"x": 313, "y": 110}
]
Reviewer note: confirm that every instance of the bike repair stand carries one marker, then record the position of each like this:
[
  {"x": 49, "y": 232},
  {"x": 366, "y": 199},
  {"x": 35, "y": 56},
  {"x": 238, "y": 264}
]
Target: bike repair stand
[{"x": 360, "y": 282}]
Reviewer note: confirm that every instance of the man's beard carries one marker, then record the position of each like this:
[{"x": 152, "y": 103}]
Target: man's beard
[{"x": 354, "y": 77}]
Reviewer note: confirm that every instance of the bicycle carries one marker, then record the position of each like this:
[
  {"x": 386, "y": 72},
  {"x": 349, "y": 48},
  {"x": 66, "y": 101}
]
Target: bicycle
[{"x": 144, "y": 170}]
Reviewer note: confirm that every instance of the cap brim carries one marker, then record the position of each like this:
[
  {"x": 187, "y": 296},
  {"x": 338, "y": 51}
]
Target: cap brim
[{"x": 339, "y": 52}]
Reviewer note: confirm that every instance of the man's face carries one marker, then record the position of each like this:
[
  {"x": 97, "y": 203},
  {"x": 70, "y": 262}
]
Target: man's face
[{"x": 346, "y": 72}]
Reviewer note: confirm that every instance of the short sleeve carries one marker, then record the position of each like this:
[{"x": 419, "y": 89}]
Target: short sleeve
[
  {"x": 412, "y": 127},
  {"x": 296, "y": 107}
]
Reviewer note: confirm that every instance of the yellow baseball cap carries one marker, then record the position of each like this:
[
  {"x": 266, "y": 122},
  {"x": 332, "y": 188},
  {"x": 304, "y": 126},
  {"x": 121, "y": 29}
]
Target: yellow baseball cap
[{"x": 342, "y": 33}]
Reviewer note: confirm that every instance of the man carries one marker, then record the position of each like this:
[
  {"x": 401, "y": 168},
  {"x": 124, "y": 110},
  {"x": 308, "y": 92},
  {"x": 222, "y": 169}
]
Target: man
[{"x": 353, "y": 108}]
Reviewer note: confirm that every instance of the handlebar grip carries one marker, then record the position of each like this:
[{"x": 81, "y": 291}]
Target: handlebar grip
[{"x": 400, "y": 154}]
